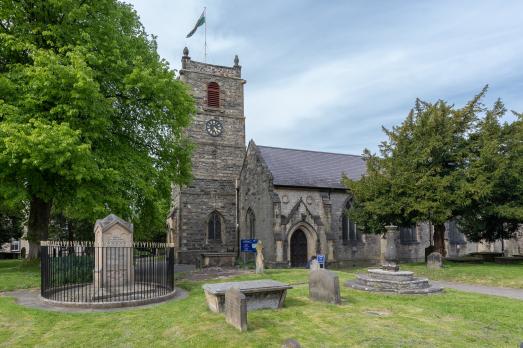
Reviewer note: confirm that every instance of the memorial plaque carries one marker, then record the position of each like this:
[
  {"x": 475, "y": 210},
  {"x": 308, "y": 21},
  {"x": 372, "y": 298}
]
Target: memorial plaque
[
  {"x": 236, "y": 308},
  {"x": 324, "y": 286},
  {"x": 113, "y": 241}
]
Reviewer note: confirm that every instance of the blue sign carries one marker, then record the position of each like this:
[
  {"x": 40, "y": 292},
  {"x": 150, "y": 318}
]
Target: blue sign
[
  {"x": 248, "y": 245},
  {"x": 320, "y": 259}
]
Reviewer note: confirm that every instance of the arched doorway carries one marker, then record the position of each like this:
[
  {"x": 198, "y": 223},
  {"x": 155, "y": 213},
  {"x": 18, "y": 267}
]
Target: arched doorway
[{"x": 298, "y": 249}]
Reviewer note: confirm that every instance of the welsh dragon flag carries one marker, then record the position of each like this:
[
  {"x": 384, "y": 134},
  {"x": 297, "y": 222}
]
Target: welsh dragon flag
[{"x": 199, "y": 23}]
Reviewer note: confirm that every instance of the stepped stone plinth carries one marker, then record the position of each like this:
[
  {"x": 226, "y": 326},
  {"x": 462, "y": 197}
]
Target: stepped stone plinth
[{"x": 387, "y": 280}]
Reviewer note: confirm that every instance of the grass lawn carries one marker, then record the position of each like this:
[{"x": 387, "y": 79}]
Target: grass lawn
[
  {"x": 452, "y": 319},
  {"x": 18, "y": 274},
  {"x": 493, "y": 274}
]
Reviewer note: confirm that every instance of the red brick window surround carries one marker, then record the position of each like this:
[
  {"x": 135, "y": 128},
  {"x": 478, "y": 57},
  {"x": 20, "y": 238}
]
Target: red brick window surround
[{"x": 213, "y": 95}]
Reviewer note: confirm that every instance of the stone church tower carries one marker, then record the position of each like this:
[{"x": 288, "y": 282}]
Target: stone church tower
[{"x": 203, "y": 222}]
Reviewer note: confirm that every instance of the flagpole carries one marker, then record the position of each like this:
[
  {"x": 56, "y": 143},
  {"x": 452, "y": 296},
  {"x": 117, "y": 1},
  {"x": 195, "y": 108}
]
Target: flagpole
[{"x": 205, "y": 44}]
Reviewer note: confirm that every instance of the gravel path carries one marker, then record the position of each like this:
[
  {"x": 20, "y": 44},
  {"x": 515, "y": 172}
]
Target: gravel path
[{"x": 481, "y": 289}]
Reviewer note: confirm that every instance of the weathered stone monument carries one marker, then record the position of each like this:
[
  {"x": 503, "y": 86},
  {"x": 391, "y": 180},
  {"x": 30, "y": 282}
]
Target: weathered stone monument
[
  {"x": 434, "y": 261},
  {"x": 314, "y": 265},
  {"x": 389, "y": 278},
  {"x": 263, "y": 293},
  {"x": 113, "y": 263},
  {"x": 260, "y": 268},
  {"x": 236, "y": 308},
  {"x": 324, "y": 286}
]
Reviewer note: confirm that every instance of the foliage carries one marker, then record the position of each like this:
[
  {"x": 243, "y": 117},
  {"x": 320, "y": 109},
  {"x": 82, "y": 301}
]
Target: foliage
[
  {"x": 444, "y": 162},
  {"x": 91, "y": 119},
  {"x": 495, "y": 178},
  {"x": 11, "y": 222}
]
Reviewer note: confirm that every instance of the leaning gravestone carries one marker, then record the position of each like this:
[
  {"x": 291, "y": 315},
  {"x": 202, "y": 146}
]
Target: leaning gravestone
[
  {"x": 113, "y": 262},
  {"x": 324, "y": 286},
  {"x": 434, "y": 261},
  {"x": 236, "y": 308}
]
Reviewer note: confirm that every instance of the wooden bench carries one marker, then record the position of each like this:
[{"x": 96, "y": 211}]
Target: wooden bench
[{"x": 260, "y": 294}]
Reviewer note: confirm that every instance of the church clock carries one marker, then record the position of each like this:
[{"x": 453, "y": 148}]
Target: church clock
[{"x": 214, "y": 128}]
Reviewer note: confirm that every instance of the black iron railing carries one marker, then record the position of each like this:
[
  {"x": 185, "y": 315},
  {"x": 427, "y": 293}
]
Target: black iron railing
[{"x": 86, "y": 272}]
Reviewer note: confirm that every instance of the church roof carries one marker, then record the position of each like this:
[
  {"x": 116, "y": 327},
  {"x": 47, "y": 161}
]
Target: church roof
[{"x": 305, "y": 168}]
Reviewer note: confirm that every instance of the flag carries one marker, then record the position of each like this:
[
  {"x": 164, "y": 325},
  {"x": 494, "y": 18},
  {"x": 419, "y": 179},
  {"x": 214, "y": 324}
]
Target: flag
[{"x": 199, "y": 23}]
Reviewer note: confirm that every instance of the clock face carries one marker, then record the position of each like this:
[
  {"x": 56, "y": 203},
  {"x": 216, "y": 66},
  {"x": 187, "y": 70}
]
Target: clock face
[{"x": 214, "y": 128}]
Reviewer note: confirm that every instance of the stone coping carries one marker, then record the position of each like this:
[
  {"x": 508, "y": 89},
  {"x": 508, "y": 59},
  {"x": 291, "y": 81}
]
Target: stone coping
[
  {"x": 108, "y": 305},
  {"x": 250, "y": 286},
  {"x": 393, "y": 273},
  {"x": 31, "y": 298},
  {"x": 422, "y": 291}
]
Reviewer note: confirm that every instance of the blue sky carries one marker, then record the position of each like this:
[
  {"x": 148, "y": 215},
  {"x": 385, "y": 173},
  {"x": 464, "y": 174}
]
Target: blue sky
[{"x": 326, "y": 75}]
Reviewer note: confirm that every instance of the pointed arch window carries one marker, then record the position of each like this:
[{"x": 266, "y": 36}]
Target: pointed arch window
[
  {"x": 213, "y": 95},
  {"x": 251, "y": 224},
  {"x": 214, "y": 227},
  {"x": 349, "y": 232}
]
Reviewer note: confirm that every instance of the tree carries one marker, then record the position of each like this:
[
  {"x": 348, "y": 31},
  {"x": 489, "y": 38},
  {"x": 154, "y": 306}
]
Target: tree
[
  {"x": 494, "y": 179},
  {"x": 91, "y": 119},
  {"x": 419, "y": 175}
]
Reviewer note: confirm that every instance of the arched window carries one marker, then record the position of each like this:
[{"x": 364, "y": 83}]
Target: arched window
[
  {"x": 214, "y": 227},
  {"x": 251, "y": 224},
  {"x": 213, "y": 95},
  {"x": 349, "y": 232}
]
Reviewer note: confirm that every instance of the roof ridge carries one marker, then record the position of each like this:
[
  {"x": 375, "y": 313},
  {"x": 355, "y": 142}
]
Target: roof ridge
[{"x": 331, "y": 153}]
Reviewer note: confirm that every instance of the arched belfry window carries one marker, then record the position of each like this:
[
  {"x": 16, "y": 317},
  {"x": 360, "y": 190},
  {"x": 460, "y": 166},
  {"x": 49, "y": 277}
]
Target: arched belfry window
[
  {"x": 251, "y": 224},
  {"x": 214, "y": 227},
  {"x": 349, "y": 232},
  {"x": 213, "y": 95}
]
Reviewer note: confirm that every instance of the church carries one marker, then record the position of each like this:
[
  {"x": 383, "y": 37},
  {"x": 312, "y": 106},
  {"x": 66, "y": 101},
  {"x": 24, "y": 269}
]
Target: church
[{"x": 291, "y": 200}]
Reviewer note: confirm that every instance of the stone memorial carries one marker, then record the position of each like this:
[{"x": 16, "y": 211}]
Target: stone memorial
[
  {"x": 434, "y": 261},
  {"x": 314, "y": 265},
  {"x": 236, "y": 308},
  {"x": 260, "y": 268},
  {"x": 112, "y": 266},
  {"x": 265, "y": 293},
  {"x": 324, "y": 286},
  {"x": 400, "y": 282}
]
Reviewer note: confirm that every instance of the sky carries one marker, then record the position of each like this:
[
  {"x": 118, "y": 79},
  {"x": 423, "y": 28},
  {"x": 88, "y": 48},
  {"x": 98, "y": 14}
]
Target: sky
[{"x": 327, "y": 75}]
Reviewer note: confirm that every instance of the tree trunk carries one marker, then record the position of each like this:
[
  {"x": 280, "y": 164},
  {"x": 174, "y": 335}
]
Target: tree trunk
[
  {"x": 38, "y": 224},
  {"x": 439, "y": 239}
]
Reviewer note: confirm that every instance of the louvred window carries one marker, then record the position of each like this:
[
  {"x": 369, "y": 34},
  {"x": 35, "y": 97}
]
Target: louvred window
[{"x": 213, "y": 95}]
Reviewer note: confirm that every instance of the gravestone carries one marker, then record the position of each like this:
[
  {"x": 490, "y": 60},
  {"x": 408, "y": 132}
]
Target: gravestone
[
  {"x": 324, "y": 286},
  {"x": 434, "y": 260},
  {"x": 236, "y": 308},
  {"x": 113, "y": 262},
  {"x": 260, "y": 267},
  {"x": 315, "y": 265}
]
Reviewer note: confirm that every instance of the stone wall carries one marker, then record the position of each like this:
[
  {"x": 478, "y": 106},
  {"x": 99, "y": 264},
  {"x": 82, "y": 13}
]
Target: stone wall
[
  {"x": 256, "y": 192},
  {"x": 216, "y": 162}
]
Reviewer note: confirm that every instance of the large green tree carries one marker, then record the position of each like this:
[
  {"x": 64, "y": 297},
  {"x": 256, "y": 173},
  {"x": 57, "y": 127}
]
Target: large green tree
[
  {"x": 91, "y": 118},
  {"x": 420, "y": 172},
  {"x": 494, "y": 178}
]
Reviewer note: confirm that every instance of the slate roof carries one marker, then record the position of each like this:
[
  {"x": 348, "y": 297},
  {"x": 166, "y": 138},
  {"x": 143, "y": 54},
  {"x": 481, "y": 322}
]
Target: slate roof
[{"x": 305, "y": 168}]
